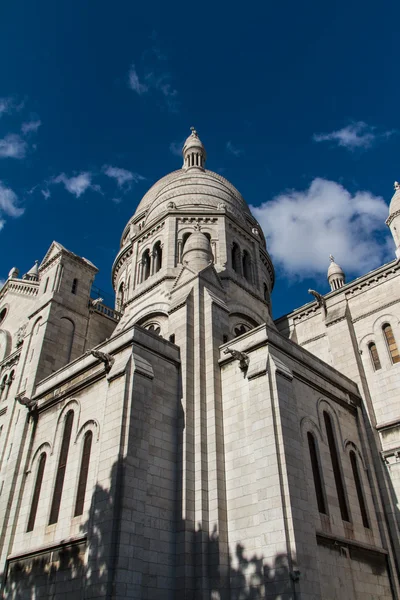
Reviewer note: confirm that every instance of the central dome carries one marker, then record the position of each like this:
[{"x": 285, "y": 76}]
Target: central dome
[{"x": 192, "y": 188}]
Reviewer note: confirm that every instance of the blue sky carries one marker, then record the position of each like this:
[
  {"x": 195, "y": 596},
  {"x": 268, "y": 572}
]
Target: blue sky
[{"x": 296, "y": 103}]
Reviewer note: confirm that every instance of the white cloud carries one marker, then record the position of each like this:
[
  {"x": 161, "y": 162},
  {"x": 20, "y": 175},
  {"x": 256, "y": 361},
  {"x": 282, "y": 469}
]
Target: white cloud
[
  {"x": 122, "y": 176},
  {"x": 304, "y": 227},
  {"x": 356, "y": 135},
  {"x": 46, "y": 194},
  {"x": 9, "y": 205},
  {"x": 134, "y": 83},
  {"x": 30, "y": 126},
  {"x": 12, "y": 146},
  {"x": 233, "y": 149},
  {"x": 77, "y": 184}
]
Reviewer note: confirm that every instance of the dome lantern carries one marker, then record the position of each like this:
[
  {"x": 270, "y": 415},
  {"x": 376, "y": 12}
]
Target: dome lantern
[
  {"x": 336, "y": 276},
  {"x": 194, "y": 154}
]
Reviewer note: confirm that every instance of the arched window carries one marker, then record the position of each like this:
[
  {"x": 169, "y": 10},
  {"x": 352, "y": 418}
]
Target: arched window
[
  {"x": 337, "y": 473},
  {"x": 360, "y": 495},
  {"x": 266, "y": 293},
  {"x": 3, "y": 313},
  {"x": 319, "y": 490},
  {"x": 146, "y": 265},
  {"x": 3, "y": 388},
  {"x": 9, "y": 381},
  {"x": 36, "y": 492},
  {"x": 246, "y": 262},
  {"x": 241, "y": 329},
  {"x": 235, "y": 257},
  {"x": 154, "y": 327},
  {"x": 67, "y": 331},
  {"x": 74, "y": 286},
  {"x": 121, "y": 296},
  {"x": 62, "y": 465},
  {"x": 157, "y": 255},
  {"x": 83, "y": 474},
  {"x": 391, "y": 343},
  {"x": 373, "y": 352}
]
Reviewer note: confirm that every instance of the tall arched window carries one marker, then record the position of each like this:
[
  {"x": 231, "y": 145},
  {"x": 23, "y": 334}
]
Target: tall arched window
[
  {"x": 235, "y": 257},
  {"x": 36, "y": 492},
  {"x": 318, "y": 485},
  {"x": 337, "y": 473},
  {"x": 9, "y": 384},
  {"x": 373, "y": 352},
  {"x": 67, "y": 331},
  {"x": 83, "y": 474},
  {"x": 157, "y": 255},
  {"x": 62, "y": 465},
  {"x": 360, "y": 495},
  {"x": 391, "y": 343},
  {"x": 3, "y": 388},
  {"x": 146, "y": 265},
  {"x": 121, "y": 296},
  {"x": 74, "y": 286},
  {"x": 246, "y": 262}
]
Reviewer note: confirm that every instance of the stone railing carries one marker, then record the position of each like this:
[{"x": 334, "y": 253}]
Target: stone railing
[
  {"x": 21, "y": 286},
  {"x": 107, "y": 311}
]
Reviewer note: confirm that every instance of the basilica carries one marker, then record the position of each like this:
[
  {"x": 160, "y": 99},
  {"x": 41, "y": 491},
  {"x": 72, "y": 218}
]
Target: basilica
[{"x": 181, "y": 445}]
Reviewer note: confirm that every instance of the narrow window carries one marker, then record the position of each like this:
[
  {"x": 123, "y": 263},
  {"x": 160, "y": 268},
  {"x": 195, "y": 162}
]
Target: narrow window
[
  {"x": 121, "y": 296},
  {"x": 336, "y": 467},
  {"x": 83, "y": 474},
  {"x": 46, "y": 285},
  {"x": 146, "y": 265},
  {"x": 391, "y": 343},
  {"x": 246, "y": 262},
  {"x": 266, "y": 294},
  {"x": 74, "y": 286},
  {"x": 3, "y": 387},
  {"x": 360, "y": 495},
  {"x": 172, "y": 338},
  {"x": 36, "y": 492},
  {"x": 316, "y": 473},
  {"x": 235, "y": 257},
  {"x": 373, "y": 352},
  {"x": 157, "y": 253},
  {"x": 62, "y": 464}
]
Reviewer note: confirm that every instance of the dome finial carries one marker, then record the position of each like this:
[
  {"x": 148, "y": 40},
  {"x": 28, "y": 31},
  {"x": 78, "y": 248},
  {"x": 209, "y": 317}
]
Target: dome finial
[
  {"x": 194, "y": 154},
  {"x": 396, "y": 185},
  {"x": 336, "y": 276}
]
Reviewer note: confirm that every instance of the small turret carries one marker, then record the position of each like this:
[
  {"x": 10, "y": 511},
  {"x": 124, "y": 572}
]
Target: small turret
[
  {"x": 336, "y": 276},
  {"x": 13, "y": 274},
  {"x": 393, "y": 220},
  {"x": 194, "y": 154},
  {"x": 33, "y": 273},
  {"x": 197, "y": 253}
]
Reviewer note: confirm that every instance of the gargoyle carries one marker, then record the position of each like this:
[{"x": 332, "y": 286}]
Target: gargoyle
[
  {"x": 105, "y": 358},
  {"x": 30, "y": 404},
  {"x": 242, "y": 357},
  {"x": 320, "y": 300}
]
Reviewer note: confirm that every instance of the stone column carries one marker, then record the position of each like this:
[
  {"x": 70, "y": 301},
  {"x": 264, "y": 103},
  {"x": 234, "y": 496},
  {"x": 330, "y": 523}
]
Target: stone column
[{"x": 179, "y": 252}]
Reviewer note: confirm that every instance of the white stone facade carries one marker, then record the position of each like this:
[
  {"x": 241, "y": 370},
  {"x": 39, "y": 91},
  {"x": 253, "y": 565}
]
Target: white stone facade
[{"x": 180, "y": 446}]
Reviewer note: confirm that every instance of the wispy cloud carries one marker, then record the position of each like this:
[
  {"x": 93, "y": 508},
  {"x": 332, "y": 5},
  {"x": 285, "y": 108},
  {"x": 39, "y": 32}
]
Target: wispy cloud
[
  {"x": 9, "y": 105},
  {"x": 30, "y": 126},
  {"x": 304, "y": 227},
  {"x": 234, "y": 150},
  {"x": 123, "y": 177},
  {"x": 46, "y": 194},
  {"x": 153, "y": 76},
  {"x": 9, "y": 204},
  {"x": 13, "y": 146},
  {"x": 77, "y": 184},
  {"x": 353, "y": 136},
  {"x": 134, "y": 83},
  {"x": 176, "y": 147}
]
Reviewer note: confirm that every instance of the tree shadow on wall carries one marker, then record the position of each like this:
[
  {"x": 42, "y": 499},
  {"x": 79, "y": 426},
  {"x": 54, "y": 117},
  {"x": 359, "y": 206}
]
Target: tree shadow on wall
[{"x": 106, "y": 562}]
